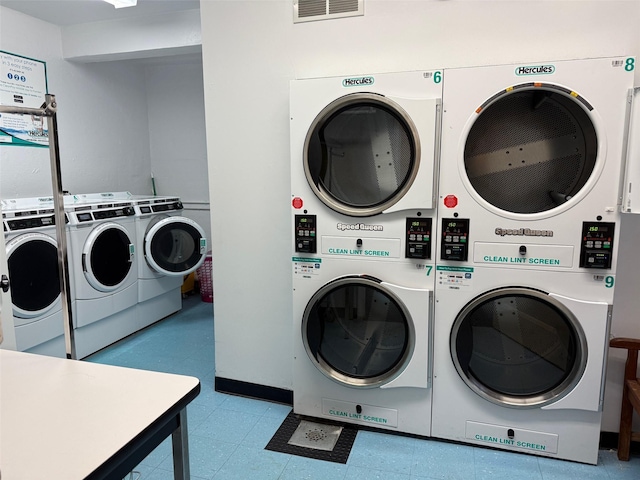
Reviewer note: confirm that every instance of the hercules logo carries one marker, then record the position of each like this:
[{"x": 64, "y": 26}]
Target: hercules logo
[
  {"x": 357, "y": 81},
  {"x": 535, "y": 70}
]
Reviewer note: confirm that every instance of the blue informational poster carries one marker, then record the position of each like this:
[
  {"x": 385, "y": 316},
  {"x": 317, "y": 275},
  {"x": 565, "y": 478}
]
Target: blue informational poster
[{"x": 23, "y": 83}]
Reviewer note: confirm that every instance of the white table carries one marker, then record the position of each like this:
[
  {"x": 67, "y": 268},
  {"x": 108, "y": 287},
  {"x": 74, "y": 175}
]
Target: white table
[{"x": 71, "y": 420}]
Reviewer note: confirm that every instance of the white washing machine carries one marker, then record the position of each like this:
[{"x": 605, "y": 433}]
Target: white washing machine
[
  {"x": 32, "y": 257},
  {"x": 519, "y": 359},
  {"x": 102, "y": 245},
  {"x": 532, "y": 148},
  {"x": 170, "y": 246},
  {"x": 362, "y": 342}
]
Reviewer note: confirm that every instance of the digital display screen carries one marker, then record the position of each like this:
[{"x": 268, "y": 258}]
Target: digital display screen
[{"x": 450, "y": 225}]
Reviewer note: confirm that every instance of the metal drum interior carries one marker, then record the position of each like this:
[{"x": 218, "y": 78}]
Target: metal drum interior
[
  {"x": 531, "y": 148},
  {"x": 361, "y": 154},
  {"x": 357, "y": 332},
  {"x": 518, "y": 347},
  {"x": 174, "y": 246}
]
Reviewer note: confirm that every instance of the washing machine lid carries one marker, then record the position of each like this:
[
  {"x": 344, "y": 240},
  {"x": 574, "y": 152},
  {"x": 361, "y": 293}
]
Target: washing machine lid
[
  {"x": 32, "y": 260},
  {"x": 361, "y": 154},
  {"x": 175, "y": 245},
  {"x": 358, "y": 332},
  {"x": 518, "y": 347},
  {"x": 531, "y": 147},
  {"x": 107, "y": 256}
]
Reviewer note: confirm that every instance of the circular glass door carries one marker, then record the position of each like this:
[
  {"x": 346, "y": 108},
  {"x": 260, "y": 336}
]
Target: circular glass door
[
  {"x": 175, "y": 246},
  {"x": 361, "y": 154},
  {"x": 357, "y": 332},
  {"x": 107, "y": 257},
  {"x": 33, "y": 269},
  {"x": 531, "y": 148},
  {"x": 518, "y": 347}
]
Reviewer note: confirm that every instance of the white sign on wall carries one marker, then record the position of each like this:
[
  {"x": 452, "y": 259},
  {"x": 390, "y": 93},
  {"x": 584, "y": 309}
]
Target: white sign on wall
[{"x": 23, "y": 83}]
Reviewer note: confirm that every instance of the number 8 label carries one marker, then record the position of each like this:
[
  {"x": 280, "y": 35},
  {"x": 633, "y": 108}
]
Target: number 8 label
[{"x": 629, "y": 65}]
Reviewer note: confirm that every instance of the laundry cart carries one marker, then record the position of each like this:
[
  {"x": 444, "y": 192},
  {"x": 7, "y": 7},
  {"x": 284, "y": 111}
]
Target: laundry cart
[{"x": 205, "y": 277}]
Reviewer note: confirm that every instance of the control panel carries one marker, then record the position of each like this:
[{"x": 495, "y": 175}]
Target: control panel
[
  {"x": 90, "y": 213},
  {"x": 455, "y": 239},
  {"x": 596, "y": 248},
  {"x": 418, "y": 239},
  {"x": 165, "y": 207},
  {"x": 116, "y": 212},
  {"x": 305, "y": 233},
  {"x": 27, "y": 223}
]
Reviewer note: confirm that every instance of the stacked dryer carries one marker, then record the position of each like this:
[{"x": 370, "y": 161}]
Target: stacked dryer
[
  {"x": 32, "y": 257},
  {"x": 170, "y": 246},
  {"x": 363, "y": 163},
  {"x": 527, "y": 228}
]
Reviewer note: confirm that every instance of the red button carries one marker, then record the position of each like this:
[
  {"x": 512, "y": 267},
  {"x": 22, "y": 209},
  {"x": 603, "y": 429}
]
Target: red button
[
  {"x": 297, "y": 203},
  {"x": 450, "y": 201}
]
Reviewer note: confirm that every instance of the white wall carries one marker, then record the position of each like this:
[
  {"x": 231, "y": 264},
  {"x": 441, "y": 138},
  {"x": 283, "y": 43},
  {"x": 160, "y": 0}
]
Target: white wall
[
  {"x": 251, "y": 50},
  {"x": 158, "y": 35},
  {"x": 102, "y": 119},
  {"x": 175, "y": 102}
]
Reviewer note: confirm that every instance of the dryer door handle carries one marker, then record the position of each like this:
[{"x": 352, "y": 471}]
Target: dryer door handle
[{"x": 4, "y": 283}]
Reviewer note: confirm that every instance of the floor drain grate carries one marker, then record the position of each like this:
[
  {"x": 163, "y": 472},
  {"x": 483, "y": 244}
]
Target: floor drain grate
[
  {"x": 329, "y": 441},
  {"x": 314, "y": 435}
]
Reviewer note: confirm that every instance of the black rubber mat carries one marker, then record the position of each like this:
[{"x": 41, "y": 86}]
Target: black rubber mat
[{"x": 339, "y": 454}]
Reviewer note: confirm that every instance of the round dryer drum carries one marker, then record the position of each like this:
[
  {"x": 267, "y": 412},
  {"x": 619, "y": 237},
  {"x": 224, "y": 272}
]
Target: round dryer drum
[
  {"x": 361, "y": 154},
  {"x": 531, "y": 148},
  {"x": 357, "y": 332},
  {"x": 518, "y": 347},
  {"x": 107, "y": 257},
  {"x": 32, "y": 260},
  {"x": 174, "y": 246}
]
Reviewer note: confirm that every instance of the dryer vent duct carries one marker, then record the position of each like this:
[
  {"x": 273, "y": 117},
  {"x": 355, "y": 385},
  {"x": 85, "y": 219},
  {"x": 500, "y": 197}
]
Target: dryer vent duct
[{"x": 311, "y": 10}]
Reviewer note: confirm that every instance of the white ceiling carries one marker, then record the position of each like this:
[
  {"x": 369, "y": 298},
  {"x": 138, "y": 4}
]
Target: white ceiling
[{"x": 71, "y": 12}]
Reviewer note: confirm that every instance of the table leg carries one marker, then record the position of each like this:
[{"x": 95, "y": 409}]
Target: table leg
[{"x": 180, "y": 443}]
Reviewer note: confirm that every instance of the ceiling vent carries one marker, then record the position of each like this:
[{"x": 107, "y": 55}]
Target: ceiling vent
[{"x": 312, "y": 10}]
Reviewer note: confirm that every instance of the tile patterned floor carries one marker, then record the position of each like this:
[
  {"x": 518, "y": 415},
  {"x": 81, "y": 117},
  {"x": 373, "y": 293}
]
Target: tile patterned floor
[{"x": 227, "y": 433}]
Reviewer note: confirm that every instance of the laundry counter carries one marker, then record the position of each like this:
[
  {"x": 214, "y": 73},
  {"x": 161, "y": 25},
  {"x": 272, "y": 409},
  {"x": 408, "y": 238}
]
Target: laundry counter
[{"x": 71, "y": 420}]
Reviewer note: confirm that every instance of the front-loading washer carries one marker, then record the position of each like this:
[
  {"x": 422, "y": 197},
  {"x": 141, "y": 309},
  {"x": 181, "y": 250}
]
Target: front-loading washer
[
  {"x": 102, "y": 244},
  {"x": 534, "y": 147},
  {"x": 170, "y": 246},
  {"x": 362, "y": 342},
  {"x": 32, "y": 258},
  {"x": 519, "y": 359}
]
